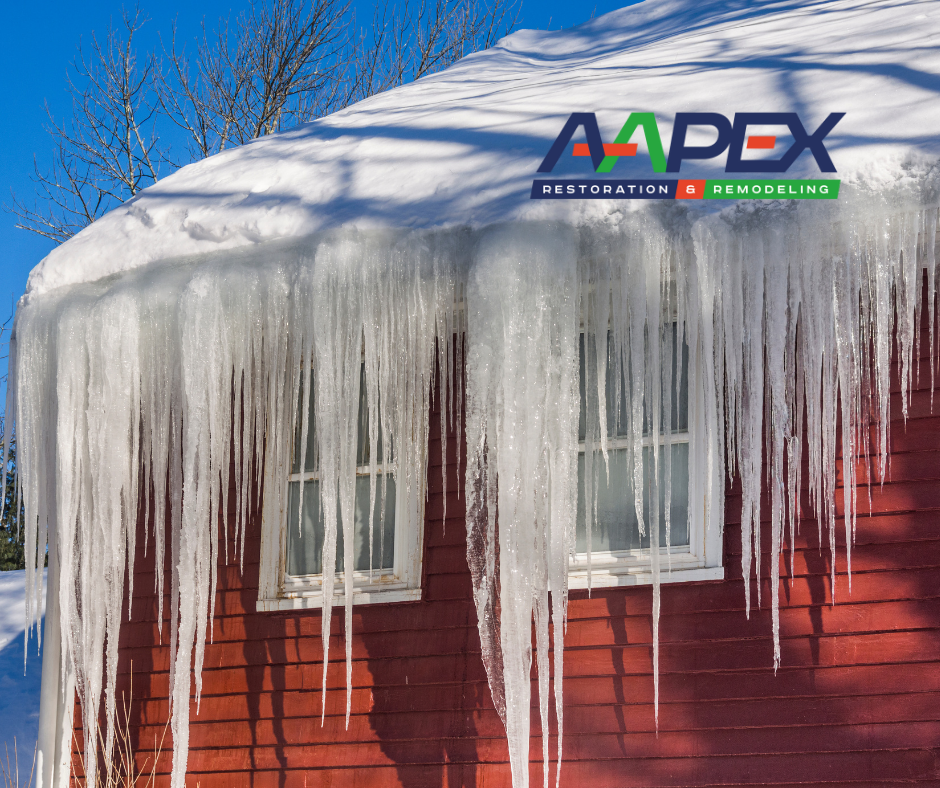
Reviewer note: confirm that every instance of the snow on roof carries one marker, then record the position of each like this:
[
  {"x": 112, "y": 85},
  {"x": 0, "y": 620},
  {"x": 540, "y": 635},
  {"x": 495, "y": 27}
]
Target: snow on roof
[{"x": 462, "y": 146}]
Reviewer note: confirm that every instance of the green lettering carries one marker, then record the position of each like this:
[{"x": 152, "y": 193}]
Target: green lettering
[{"x": 653, "y": 141}]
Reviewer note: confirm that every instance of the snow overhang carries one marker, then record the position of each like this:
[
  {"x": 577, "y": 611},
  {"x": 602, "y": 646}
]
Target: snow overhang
[{"x": 462, "y": 147}]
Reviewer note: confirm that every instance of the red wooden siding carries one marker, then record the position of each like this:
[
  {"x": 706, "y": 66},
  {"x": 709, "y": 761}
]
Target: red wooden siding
[{"x": 856, "y": 701}]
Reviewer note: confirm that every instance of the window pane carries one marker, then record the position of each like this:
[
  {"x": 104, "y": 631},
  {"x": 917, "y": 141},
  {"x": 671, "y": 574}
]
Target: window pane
[
  {"x": 310, "y": 458},
  {"x": 305, "y": 548},
  {"x": 618, "y": 413},
  {"x": 362, "y": 426},
  {"x": 616, "y": 527},
  {"x": 363, "y": 449}
]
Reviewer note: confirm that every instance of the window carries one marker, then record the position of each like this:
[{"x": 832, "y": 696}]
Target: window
[
  {"x": 394, "y": 572},
  {"x": 619, "y": 554}
]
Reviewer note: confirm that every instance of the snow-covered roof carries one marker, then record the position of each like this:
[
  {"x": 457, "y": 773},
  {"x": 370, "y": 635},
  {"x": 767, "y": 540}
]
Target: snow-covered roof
[{"x": 462, "y": 146}]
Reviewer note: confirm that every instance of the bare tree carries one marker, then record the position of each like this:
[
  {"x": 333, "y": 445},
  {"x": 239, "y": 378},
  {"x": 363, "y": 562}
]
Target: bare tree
[
  {"x": 109, "y": 149},
  {"x": 413, "y": 39},
  {"x": 281, "y": 63}
]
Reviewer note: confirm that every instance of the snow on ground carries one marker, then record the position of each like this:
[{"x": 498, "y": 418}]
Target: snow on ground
[
  {"x": 19, "y": 691},
  {"x": 462, "y": 146}
]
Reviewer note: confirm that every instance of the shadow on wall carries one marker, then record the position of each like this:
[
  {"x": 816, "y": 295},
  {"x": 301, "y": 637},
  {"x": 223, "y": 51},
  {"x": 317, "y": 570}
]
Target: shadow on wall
[
  {"x": 430, "y": 704},
  {"x": 427, "y": 722}
]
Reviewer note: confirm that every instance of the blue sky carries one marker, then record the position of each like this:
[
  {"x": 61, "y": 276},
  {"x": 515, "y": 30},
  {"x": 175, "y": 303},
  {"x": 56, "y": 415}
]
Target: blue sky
[{"x": 40, "y": 41}]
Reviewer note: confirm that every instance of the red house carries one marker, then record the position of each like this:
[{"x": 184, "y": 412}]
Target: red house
[
  {"x": 853, "y": 702},
  {"x": 369, "y": 341}
]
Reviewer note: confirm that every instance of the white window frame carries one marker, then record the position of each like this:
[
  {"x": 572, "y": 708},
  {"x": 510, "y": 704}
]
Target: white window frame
[
  {"x": 279, "y": 590},
  {"x": 702, "y": 558}
]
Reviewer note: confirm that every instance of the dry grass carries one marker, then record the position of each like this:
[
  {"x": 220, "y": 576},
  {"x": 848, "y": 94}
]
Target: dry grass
[
  {"x": 122, "y": 771},
  {"x": 10, "y": 772}
]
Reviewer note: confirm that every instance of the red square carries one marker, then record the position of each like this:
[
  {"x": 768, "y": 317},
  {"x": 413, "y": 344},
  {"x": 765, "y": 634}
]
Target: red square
[{"x": 690, "y": 190}]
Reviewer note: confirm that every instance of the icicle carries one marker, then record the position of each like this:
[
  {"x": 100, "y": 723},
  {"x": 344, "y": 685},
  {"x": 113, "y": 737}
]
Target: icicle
[{"x": 522, "y": 420}]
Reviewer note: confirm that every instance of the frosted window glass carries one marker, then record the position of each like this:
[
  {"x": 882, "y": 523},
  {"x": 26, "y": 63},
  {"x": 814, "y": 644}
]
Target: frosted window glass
[
  {"x": 616, "y": 525},
  {"x": 618, "y": 415},
  {"x": 305, "y": 544},
  {"x": 363, "y": 450},
  {"x": 305, "y": 541}
]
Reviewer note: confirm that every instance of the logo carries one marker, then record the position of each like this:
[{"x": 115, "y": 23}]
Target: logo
[{"x": 732, "y": 136}]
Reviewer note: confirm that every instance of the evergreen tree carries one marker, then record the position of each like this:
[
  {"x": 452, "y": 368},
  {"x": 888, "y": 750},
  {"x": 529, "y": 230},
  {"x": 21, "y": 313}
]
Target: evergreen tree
[{"x": 12, "y": 533}]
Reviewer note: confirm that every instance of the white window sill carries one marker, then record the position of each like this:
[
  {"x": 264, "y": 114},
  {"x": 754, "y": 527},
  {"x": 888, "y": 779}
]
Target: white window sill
[
  {"x": 608, "y": 578},
  {"x": 363, "y": 597}
]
